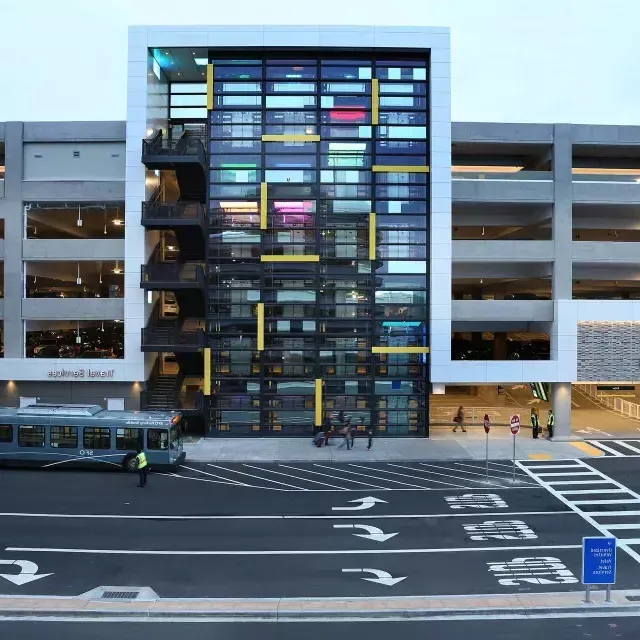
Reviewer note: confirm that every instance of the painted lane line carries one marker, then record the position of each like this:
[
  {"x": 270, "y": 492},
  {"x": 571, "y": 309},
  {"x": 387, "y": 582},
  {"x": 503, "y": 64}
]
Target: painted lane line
[
  {"x": 342, "y": 479},
  {"x": 231, "y": 484},
  {"x": 213, "y": 475},
  {"x": 288, "y": 475},
  {"x": 604, "y": 447},
  {"x": 622, "y": 443},
  {"x": 303, "y": 479},
  {"x": 449, "y": 484},
  {"x": 623, "y": 501},
  {"x": 284, "y": 484},
  {"x": 406, "y": 475},
  {"x": 384, "y": 479},
  {"x": 630, "y": 541},
  {"x": 587, "y": 516},
  {"x": 300, "y": 552},
  {"x": 115, "y": 516},
  {"x": 611, "y": 527},
  {"x": 471, "y": 473},
  {"x": 480, "y": 483},
  {"x": 483, "y": 469},
  {"x": 355, "y": 473}
]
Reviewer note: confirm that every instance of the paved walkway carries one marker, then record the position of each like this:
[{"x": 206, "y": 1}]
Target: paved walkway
[
  {"x": 306, "y": 608},
  {"x": 443, "y": 445}
]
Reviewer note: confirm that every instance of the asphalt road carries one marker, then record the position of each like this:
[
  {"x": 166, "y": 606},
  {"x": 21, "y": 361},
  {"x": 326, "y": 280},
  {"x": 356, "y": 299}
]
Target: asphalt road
[
  {"x": 563, "y": 629},
  {"x": 194, "y": 535}
]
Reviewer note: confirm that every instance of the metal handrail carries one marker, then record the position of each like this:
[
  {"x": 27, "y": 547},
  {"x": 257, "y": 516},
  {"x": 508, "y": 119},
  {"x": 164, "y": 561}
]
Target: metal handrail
[
  {"x": 153, "y": 375},
  {"x": 184, "y": 210}
]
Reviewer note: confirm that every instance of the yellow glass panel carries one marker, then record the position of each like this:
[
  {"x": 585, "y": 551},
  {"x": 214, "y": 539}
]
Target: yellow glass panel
[
  {"x": 209, "y": 87},
  {"x": 260, "y": 311},
  {"x": 318, "y": 399},
  {"x": 206, "y": 354}
]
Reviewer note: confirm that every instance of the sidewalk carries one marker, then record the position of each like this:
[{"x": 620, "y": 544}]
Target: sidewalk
[
  {"x": 283, "y": 609},
  {"x": 443, "y": 445}
]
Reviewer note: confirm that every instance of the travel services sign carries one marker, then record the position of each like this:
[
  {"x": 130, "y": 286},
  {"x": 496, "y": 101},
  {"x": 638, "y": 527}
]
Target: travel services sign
[{"x": 81, "y": 374}]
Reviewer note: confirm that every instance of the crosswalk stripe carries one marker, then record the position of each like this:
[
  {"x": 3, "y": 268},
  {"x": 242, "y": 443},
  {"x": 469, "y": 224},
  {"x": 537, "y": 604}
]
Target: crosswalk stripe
[
  {"x": 596, "y": 519},
  {"x": 604, "y": 447},
  {"x": 624, "y": 501},
  {"x": 611, "y": 514},
  {"x": 567, "y": 473},
  {"x": 622, "y": 443}
]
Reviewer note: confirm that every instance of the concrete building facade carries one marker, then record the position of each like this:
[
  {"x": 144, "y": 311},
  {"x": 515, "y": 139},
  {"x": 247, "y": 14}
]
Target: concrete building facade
[{"x": 530, "y": 253}]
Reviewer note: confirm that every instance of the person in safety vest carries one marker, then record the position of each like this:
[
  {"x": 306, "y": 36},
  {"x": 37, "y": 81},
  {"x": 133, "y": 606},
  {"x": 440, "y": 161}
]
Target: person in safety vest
[
  {"x": 143, "y": 467},
  {"x": 535, "y": 423},
  {"x": 550, "y": 422}
]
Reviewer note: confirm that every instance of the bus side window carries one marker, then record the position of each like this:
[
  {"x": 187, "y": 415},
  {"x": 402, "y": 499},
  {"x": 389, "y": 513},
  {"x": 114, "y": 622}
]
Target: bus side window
[
  {"x": 128, "y": 439},
  {"x": 97, "y": 438},
  {"x": 63, "y": 437},
  {"x": 6, "y": 433},
  {"x": 29, "y": 436},
  {"x": 157, "y": 439}
]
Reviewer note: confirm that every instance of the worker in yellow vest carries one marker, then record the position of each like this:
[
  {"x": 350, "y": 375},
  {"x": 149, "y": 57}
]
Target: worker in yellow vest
[{"x": 143, "y": 467}]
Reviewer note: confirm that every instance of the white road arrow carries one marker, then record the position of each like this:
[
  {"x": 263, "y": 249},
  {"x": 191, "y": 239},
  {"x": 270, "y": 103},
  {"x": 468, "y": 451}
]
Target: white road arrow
[
  {"x": 382, "y": 577},
  {"x": 592, "y": 430},
  {"x": 28, "y": 572},
  {"x": 373, "y": 533},
  {"x": 365, "y": 503}
]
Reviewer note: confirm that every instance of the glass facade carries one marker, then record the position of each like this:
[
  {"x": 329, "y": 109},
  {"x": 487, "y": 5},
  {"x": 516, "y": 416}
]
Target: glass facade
[{"x": 317, "y": 255}]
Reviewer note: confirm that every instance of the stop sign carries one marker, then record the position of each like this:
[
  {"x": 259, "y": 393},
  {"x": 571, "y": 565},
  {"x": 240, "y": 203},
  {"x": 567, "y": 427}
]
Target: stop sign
[
  {"x": 515, "y": 424},
  {"x": 487, "y": 423}
]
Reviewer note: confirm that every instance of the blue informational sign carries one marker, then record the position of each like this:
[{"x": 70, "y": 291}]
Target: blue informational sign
[{"x": 598, "y": 560}]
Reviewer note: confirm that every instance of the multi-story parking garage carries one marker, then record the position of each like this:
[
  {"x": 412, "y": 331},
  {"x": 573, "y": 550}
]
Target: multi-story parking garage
[{"x": 288, "y": 226}]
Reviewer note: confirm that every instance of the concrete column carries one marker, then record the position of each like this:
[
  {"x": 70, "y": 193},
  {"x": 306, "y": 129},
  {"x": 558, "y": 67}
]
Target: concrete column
[
  {"x": 500, "y": 345},
  {"x": 561, "y": 405},
  {"x": 11, "y": 211},
  {"x": 562, "y": 222}
]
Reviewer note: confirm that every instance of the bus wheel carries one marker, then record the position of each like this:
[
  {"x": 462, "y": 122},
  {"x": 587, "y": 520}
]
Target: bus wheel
[{"x": 130, "y": 463}]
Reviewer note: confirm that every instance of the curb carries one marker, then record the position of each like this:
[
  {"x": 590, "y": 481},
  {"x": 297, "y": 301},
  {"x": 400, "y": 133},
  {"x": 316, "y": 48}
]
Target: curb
[{"x": 485, "y": 612}]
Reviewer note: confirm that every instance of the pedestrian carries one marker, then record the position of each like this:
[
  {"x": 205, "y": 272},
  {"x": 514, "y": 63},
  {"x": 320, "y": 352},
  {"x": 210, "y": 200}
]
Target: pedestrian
[
  {"x": 370, "y": 434},
  {"x": 143, "y": 467},
  {"x": 550, "y": 422},
  {"x": 318, "y": 439},
  {"x": 458, "y": 419},
  {"x": 344, "y": 432},
  {"x": 535, "y": 424},
  {"x": 352, "y": 432}
]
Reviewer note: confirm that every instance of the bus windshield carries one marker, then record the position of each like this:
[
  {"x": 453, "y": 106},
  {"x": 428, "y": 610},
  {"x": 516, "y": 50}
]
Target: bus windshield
[{"x": 176, "y": 436}]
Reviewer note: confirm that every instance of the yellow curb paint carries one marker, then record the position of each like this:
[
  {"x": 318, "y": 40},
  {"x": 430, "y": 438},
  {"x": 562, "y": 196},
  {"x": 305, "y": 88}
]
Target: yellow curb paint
[
  {"x": 540, "y": 456},
  {"x": 587, "y": 448}
]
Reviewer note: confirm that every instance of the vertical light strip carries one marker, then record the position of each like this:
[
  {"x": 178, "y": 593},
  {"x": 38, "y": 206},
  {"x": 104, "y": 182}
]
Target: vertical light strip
[
  {"x": 206, "y": 354},
  {"x": 260, "y": 326},
  {"x": 209, "y": 87},
  {"x": 372, "y": 236},
  {"x": 318, "y": 403},
  {"x": 263, "y": 205},
  {"x": 375, "y": 101}
]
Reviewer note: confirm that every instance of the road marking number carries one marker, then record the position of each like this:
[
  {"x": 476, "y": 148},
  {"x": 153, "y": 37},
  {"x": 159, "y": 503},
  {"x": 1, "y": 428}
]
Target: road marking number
[
  {"x": 531, "y": 571},
  {"x": 476, "y": 501},
  {"x": 500, "y": 530}
]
